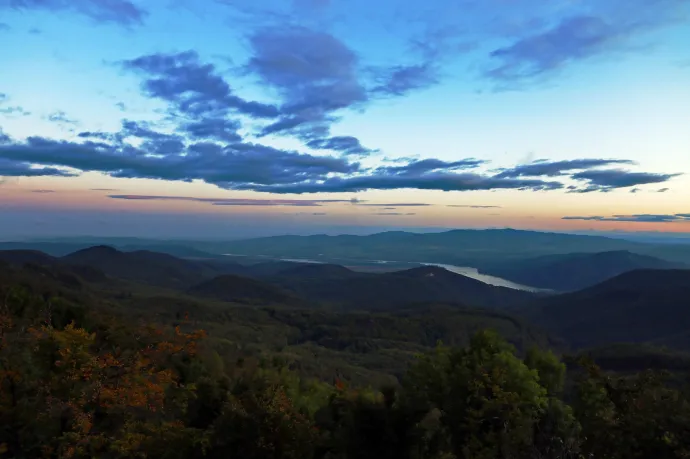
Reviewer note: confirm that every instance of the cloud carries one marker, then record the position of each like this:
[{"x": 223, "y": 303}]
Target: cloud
[
  {"x": 598, "y": 29},
  {"x": 10, "y": 168},
  {"x": 233, "y": 202},
  {"x": 121, "y": 106},
  {"x": 12, "y": 110},
  {"x": 104, "y": 189},
  {"x": 398, "y": 204},
  {"x": 121, "y": 12},
  {"x": 4, "y": 27},
  {"x": 400, "y": 80},
  {"x": 473, "y": 207},
  {"x": 424, "y": 166},
  {"x": 242, "y": 165},
  {"x": 193, "y": 88},
  {"x": 310, "y": 4},
  {"x": 16, "y": 110},
  {"x": 313, "y": 71},
  {"x": 43, "y": 191},
  {"x": 218, "y": 129},
  {"x": 4, "y": 138},
  {"x": 544, "y": 168},
  {"x": 635, "y": 190},
  {"x": 346, "y": 145},
  {"x": 394, "y": 213},
  {"x": 444, "y": 181},
  {"x": 641, "y": 218},
  {"x": 662, "y": 190},
  {"x": 603, "y": 180},
  {"x": 61, "y": 117}
]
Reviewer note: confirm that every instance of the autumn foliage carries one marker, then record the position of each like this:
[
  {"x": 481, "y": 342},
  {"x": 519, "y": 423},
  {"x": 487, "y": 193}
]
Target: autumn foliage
[{"x": 77, "y": 383}]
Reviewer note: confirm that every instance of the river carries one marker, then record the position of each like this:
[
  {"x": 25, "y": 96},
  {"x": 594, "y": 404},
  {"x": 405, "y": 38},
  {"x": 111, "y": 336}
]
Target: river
[{"x": 466, "y": 271}]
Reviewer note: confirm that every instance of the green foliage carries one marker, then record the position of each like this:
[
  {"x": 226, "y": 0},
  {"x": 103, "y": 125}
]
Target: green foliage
[{"x": 78, "y": 381}]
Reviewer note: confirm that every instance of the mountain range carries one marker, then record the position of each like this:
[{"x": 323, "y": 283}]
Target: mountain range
[{"x": 626, "y": 297}]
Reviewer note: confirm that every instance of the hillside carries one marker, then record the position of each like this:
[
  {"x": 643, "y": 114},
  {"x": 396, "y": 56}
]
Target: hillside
[
  {"x": 144, "y": 266},
  {"x": 637, "y": 306},
  {"x": 367, "y": 291},
  {"x": 19, "y": 257},
  {"x": 576, "y": 271},
  {"x": 237, "y": 289}
]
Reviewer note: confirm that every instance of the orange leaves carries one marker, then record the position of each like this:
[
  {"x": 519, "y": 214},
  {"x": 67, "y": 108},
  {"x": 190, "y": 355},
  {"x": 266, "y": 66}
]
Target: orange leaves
[{"x": 81, "y": 384}]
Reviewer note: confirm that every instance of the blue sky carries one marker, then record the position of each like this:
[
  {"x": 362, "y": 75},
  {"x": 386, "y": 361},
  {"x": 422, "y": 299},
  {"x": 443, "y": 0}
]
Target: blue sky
[{"x": 566, "y": 115}]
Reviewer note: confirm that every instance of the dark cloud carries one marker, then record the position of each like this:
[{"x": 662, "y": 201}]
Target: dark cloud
[
  {"x": 234, "y": 202},
  {"x": 3, "y": 97},
  {"x": 445, "y": 181},
  {"x": 473, "y": 207},
  {"x": 61, "y": 117},
  {"x": 244, "y": 166},
  {"x": 662, "y": 190},
  {"x": 239, "y": 165},
  {"x": 218, "y": 129},
  {"x": 343, "y": 144},
  {"x": 636, "y": 190},
  {"x": 555, "y": 168},
  {"x": 4, "y": 138},
  {"x": 423, "y": 166},
  {"x": 193, "y": 88},
  {"x": 604, "y": 180},
  {"x": 314, "y": 73},
  {"x": 122, "y": 12},
  {"x": 642, "y": 218},
  {"x": 9, "y": 168}
]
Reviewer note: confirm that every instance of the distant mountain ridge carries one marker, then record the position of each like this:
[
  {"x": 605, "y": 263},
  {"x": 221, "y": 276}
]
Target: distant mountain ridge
[
  {"x": 478, "y": 248},
  {"x": 482, "y": 249},
  {"x": 576, "y": 271}
]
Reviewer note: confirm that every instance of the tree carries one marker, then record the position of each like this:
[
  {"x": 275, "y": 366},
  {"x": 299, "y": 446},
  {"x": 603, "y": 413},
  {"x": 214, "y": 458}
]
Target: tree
[{"x": 488, "y": 398}]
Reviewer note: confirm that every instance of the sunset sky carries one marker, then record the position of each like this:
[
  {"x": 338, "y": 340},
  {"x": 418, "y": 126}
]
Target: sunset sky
[{"x": 181, "y": 118}]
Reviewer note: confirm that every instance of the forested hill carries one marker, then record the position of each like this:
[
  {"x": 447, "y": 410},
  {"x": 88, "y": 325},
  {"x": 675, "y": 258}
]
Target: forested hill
[{"x": 116, "y": 370}]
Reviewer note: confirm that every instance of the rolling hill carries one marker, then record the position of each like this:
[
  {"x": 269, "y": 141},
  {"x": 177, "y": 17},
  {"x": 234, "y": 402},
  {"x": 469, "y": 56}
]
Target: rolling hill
[
  {"x": 339, "y": 286},
  {"x": 237, "y": 289},
  {"x": 641, "y": 306},
  {"x": 576, "y": 271},
  {"x": 144, "y": 266}
]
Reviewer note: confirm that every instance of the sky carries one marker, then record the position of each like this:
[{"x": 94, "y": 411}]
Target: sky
[{"x": 207, "y": 118}]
